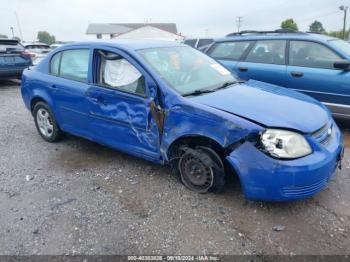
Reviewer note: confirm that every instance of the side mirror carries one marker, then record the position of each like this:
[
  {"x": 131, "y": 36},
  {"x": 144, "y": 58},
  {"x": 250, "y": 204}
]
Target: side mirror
[{"x": 342, "y": 64}]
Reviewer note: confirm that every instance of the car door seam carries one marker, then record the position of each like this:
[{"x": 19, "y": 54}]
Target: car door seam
[{"x": 103, "y": 118}]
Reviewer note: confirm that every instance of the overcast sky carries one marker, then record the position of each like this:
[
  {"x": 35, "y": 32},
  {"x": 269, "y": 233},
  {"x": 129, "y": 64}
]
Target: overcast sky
[{"x": 68, "y": 19}]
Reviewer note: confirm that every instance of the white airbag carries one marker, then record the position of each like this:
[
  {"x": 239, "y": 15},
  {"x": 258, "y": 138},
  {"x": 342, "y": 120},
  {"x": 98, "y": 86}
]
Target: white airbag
[{"x": 120, "y": 72}]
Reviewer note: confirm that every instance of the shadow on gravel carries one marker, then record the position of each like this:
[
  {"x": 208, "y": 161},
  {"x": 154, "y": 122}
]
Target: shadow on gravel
[
  {"x": 79, "y": 153},
  {"x": 343, "y": 124},
  {"x": 9, "y": 83},
  {"x": 82, "y": 153}
]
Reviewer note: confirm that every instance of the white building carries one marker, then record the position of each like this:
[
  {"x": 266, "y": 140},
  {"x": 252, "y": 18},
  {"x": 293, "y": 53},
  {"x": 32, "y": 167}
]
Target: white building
[{"x": 160, "y": 31}]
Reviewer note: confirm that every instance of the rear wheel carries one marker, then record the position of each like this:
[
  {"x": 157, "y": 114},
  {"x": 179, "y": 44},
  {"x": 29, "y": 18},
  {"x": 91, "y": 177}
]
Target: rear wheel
[
  {"x": 201, "y": 169},
  {"x": 46, "y": 123}
]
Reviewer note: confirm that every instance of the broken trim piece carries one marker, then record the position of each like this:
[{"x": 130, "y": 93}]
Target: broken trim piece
[{"x": 158, "y": 115}]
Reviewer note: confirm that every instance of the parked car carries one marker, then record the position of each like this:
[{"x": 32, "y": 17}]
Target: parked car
[
  {"x": 59, "y": 44},
  {"x": 13, "y": 59},
  {"x": 199, "y": 43},
  {"x": 53, "y": 46},
  {"x": 313, "y": 64},
  {"x": 37, "y": 51},
  {"x": 171, "y": 104}
]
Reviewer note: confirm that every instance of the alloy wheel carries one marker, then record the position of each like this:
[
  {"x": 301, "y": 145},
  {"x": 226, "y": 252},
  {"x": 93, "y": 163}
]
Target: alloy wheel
[{"x": 45, "y": 123}]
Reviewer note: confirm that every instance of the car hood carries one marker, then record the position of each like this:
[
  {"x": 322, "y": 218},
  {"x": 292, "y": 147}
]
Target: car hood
[{"x": 268, "y": 105}]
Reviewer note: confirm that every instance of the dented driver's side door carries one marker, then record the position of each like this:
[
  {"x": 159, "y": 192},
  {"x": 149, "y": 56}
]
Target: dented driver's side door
[{"x": 121, "y": 117}]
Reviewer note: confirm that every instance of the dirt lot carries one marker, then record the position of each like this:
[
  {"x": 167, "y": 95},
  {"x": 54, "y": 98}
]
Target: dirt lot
[{"x": 77, "y": 197}]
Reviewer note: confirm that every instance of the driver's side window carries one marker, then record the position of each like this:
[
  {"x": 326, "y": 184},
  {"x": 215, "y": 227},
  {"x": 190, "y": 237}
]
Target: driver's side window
[
  {"x": 118, "y": 73},
  {"x": 310, "y": 54}
]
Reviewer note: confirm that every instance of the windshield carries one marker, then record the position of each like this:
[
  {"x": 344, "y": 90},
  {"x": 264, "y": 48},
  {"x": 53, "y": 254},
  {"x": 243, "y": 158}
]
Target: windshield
[
  {"x": 187, "y": 70},
  {"x": 342, "y": 45}
]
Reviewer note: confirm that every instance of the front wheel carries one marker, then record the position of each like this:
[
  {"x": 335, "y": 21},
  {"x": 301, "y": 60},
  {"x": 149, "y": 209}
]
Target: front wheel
[
  {"x": 46, "y": 123},
  {"x": 201, "y": 170}
]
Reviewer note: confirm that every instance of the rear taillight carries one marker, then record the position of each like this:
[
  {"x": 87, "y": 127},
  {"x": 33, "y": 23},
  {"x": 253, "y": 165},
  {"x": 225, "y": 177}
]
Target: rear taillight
[{"x": 28, "y": 54}]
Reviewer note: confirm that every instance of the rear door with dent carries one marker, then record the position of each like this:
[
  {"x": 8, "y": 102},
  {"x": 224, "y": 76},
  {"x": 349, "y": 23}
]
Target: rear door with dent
[{"x": 67, "y": 83}]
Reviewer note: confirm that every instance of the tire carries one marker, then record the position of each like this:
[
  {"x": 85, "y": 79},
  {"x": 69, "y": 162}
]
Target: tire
[
  {"x": 200, "y": 169},
  {"x": 45, "y": 123}
]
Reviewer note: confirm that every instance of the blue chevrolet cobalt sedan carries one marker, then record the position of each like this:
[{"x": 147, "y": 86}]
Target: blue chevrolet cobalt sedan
[{"x": 171, "y": 104}]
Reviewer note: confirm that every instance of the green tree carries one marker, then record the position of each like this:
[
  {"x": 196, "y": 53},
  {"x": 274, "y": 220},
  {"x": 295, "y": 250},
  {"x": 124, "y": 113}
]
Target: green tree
[
  {"x": 3, "y": 36},
  {"x": 45, "y": 37},
  {"x": 317, "y": 27},
  {"x": 289, "y": 24}
]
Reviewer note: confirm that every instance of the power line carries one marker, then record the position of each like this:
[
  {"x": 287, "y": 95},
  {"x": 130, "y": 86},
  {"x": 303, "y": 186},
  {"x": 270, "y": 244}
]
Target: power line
[
  {"x": 260, "y": 10},
  {"x": 316, "y": 17},
  {"x": 282, "y": 5}
]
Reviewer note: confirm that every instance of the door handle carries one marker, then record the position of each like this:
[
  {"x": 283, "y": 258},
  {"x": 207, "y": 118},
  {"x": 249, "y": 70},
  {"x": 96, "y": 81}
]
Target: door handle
[
  {"x": 53, "y": 86},
  {"x": 243, "y": 69},
  {"x": 297, "y": 74}
]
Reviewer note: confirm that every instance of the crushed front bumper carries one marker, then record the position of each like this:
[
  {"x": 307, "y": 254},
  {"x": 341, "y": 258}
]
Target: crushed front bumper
[{"x": 269, "y": 179}]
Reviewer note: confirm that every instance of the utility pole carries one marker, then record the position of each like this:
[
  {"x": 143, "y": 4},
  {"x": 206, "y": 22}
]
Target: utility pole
[
  {"x": 239, "y": 22},
  {"x": 19, "y": 26},
  {"x": 345, "y": 9}
]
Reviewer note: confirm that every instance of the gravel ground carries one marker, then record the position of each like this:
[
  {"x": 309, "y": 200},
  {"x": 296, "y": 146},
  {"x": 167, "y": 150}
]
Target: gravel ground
[{"x": 77, "y": 197}]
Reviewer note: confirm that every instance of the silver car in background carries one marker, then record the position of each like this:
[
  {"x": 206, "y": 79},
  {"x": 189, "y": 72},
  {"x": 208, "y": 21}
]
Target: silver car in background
[
  {"x": 53, "y": 46},
  {"x": 37, "y": 51}
]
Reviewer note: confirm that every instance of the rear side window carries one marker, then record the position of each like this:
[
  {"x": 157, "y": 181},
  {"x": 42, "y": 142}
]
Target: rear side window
[
  {"x": 203, "y": 42},
  {"x": 310, "y": 54},
  {"x": 268, "y": 52},
  {"x": 229, "y": 50},
  {"x": 55, "y": 64},
  {"x": 71, "y": 64},
  {"x": 190, "y": 42}
]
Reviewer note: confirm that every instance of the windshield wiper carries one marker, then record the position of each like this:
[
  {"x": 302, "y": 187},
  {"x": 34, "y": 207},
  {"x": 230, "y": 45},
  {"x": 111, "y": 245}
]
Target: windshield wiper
[
  {"x": 204, "y": 91},
  {"x": 226, "y": 84},
  {"x": 199, "y": 92}
]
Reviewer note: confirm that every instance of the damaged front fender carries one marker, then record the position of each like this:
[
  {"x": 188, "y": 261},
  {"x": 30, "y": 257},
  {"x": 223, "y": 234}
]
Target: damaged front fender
[{"x": 186, "y": 120}]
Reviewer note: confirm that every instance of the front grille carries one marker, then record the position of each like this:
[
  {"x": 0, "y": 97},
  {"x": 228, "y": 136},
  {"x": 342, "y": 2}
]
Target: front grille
[
  {"x": 327, "y": 139},
  {"x": 304, "y": 190},
  {"x": 320, "y": 132},
  {"x": 324, "y": 134}
]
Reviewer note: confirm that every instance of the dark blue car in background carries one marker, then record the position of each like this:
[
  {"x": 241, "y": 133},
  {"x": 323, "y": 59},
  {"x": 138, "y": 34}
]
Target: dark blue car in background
[
  {"x": 171, "y": 104},
  {"x": 313, "y": 64},
  {"x": 13, "y": 59}
]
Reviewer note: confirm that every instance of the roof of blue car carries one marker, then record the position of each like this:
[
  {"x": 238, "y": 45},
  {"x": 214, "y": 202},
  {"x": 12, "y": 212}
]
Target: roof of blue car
[
  {"x": 256, "y": 36},
  {"x": 135, "y": 44}
]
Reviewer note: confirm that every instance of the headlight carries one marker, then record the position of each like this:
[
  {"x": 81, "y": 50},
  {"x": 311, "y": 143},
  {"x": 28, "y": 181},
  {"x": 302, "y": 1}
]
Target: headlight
[{"x": 284, "y": 144}]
